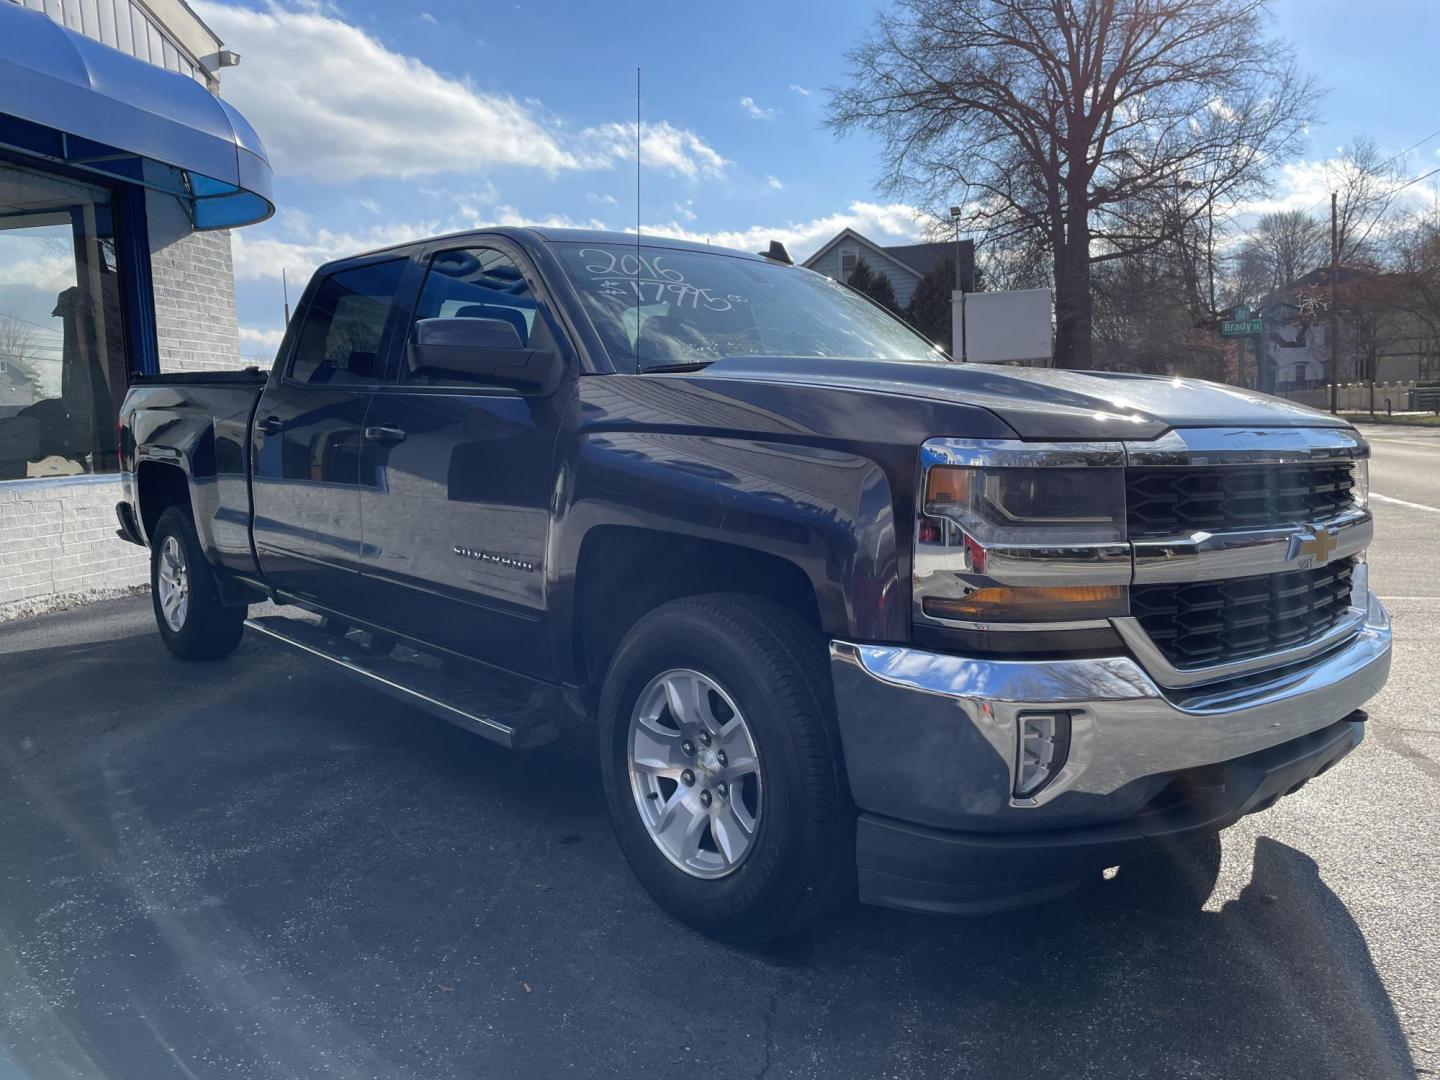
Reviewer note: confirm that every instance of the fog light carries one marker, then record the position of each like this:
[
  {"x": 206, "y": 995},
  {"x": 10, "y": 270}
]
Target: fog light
[{"x": 1044, "y": 745}]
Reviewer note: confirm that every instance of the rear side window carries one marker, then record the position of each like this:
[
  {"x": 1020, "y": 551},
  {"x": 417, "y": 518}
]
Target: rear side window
[{"x": 340, "y": 339}]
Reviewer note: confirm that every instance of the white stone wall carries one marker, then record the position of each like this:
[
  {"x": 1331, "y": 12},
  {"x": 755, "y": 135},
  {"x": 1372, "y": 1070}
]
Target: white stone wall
[
  {"x": 194, "y": 282},
  {"x": 58, "y": 545}
]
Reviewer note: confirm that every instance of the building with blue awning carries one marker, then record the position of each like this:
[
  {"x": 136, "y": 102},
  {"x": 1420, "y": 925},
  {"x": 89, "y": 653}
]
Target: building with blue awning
[{"x": 122, "y": 171}]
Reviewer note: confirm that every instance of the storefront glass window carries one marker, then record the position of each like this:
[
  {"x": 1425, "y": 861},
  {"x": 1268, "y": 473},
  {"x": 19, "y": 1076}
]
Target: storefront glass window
[{"x": 62, "y": 347}]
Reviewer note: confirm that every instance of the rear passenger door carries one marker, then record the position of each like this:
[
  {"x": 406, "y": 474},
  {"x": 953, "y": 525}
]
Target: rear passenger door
[
  {"x": 457, "y": 485},
  {"x": 309, "y": 428}
]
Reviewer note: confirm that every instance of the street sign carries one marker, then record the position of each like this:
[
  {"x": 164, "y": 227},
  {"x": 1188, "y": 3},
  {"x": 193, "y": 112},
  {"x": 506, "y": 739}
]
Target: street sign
[{"x": 1242, "y": 325}]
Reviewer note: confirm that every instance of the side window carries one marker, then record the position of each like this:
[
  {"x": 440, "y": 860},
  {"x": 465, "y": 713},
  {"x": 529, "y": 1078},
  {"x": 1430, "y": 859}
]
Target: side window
[
  {"x": 340, "y": 339},
  {"x": 479, "y": 283}
]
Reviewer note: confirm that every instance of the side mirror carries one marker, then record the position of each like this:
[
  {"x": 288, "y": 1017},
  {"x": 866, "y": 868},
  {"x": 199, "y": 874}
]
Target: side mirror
[{"x": 484, "y": 351}]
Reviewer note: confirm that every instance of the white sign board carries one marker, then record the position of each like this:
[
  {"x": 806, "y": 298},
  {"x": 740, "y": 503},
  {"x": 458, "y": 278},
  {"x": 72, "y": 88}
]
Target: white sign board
[{"x": 1000, "y": 327}]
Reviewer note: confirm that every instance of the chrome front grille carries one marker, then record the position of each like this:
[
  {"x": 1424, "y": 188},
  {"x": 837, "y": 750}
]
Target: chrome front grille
[
  {"x": 1174, "y": 502},
  {"x": 1203, "y": 623}
]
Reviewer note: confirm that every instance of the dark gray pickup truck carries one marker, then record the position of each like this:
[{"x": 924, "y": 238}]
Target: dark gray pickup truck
[{"x": 844, "y": 613}]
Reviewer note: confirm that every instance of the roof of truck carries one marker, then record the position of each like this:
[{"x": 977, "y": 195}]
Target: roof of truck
[{"x": 548, "y": 235}]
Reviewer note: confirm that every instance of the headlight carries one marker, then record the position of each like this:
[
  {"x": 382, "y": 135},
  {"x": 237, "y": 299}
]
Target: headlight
[
  {"x": 1030, "y": 505},
  {"x": 1021, "y": 546}
]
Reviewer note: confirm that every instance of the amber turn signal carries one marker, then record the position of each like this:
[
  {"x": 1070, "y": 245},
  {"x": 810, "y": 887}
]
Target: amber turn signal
[
  {"x": 1050, "y": 604},
  {"x": 946, "y": 485}
]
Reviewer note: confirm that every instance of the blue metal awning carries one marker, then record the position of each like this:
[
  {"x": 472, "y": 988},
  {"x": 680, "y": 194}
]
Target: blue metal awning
[{"x": 66, "y": 97}]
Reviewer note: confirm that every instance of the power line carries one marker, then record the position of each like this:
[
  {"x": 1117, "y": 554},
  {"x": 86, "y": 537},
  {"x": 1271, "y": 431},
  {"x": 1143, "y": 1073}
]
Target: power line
[{"x": 27, "y": 322}]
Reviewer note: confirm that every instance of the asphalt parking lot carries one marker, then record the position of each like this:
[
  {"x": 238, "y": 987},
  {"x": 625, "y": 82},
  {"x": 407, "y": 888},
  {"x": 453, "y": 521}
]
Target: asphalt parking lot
[{"x": 258, "y": 869}]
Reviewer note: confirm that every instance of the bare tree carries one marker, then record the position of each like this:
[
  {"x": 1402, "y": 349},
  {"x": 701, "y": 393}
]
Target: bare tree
[
  {"x": 1068, "y": 120},
  {"x": 1283, "y": 246},
  {"x": 1370, "y": 321},
  {"x": 18, "y": 346},
  {"x": 1366, "y": 186},
  {"x": 1417, "y": 263}
]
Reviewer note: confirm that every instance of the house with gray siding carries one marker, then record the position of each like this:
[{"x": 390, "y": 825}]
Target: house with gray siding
[{"x": 903, "y": 264}]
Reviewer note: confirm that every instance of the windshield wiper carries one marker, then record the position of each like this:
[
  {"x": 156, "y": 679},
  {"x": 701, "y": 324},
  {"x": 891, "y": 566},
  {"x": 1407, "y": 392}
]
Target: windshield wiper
[{"x": 690, "y": 365}]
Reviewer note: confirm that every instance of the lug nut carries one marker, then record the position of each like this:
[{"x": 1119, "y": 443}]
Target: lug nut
[
  {"x": 704, "y": 798},
  {"x": 687, "y": 778},
  {"x": 705, "y": 737},
  {"x": 722, "y": 789},
  {"x": 720, "y": 757},
  {"x": 688, "y": 747}
]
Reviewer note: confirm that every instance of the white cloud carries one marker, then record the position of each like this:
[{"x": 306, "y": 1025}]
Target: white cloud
[
  {"x": 259, "y": 255},
  {"x": 1306, "y": 185},
  {"x": 427, "y": 17},
  {"x": 256, "y": 342},
  {"x": 509, "y": 215},
  {"x": 775, "y": 183},
  {"x": 884, "y": 223},
  {"x": 599, "y": 200},
  {"x": 801, "y": 90},
  {"x": 370, "y": 204},
  {"x": 755, "y": 111},
  {"x": 662, "y": 146},
  {"x": 333, "y": 103}
]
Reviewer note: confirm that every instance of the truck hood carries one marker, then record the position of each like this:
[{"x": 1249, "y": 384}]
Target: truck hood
[{"x": 1042, "y": 403}]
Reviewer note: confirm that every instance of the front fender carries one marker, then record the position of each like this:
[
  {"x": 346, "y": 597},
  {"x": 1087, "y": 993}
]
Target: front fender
[{"x": 827, "y": 512}]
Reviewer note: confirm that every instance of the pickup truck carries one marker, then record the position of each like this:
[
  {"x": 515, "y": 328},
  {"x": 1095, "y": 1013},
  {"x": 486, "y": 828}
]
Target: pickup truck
[{"x": 847, "y": 617}]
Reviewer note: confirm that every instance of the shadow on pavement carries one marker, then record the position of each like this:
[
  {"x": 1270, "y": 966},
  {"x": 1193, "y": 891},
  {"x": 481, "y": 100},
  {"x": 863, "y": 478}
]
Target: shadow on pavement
[{"x": 253, "y": 869}]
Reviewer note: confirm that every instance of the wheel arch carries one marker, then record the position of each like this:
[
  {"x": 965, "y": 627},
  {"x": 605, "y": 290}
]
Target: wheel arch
[{"x": 624, "y": 572}]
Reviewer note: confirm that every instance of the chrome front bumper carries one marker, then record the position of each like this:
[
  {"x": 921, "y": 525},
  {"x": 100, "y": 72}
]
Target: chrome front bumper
[{"x": 932, "y": 738}]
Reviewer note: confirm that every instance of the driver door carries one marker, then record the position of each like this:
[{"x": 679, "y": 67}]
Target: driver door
[{"x": 458, "y": 474}]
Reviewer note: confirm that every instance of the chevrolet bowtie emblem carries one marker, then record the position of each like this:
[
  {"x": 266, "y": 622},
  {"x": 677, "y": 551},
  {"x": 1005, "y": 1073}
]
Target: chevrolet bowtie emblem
[{"x": 1315, "y": 544}]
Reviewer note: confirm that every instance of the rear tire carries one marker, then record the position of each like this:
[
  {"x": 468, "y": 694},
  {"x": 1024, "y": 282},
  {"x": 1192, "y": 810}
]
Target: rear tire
[
  {"x": 693, "y": 678},
  {"x": 193, "y": 623}
]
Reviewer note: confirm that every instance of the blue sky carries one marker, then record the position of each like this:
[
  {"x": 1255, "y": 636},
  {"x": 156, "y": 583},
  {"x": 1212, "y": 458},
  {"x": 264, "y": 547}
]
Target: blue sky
[{"x": 387, "y": 121}]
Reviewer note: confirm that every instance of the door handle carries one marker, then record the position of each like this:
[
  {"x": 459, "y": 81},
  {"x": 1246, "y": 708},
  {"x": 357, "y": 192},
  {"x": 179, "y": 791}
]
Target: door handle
[
  {"x": 384, "y": 433},
  {"x": 271, "y": 425}
]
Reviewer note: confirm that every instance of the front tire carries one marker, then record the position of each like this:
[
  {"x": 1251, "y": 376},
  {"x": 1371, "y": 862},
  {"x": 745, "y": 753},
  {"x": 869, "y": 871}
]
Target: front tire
[
  {"x": 723, "y": 769},
  {"x": 193, "y": 623}
]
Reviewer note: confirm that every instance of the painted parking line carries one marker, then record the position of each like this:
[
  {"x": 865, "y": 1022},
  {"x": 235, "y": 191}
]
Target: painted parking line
[{"x": 1403, "y": 502}]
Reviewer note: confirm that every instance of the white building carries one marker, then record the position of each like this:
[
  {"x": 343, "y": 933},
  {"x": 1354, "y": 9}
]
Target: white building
[{"x": 121, "y": 171}]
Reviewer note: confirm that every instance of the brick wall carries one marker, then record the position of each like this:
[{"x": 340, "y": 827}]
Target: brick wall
[
  {"x": 194, "y": 281},
  {"x": 58, "y": 545}
]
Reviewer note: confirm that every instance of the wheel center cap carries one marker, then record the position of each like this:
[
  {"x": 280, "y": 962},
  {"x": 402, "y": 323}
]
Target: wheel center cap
[{"x": 707, "y": 761}]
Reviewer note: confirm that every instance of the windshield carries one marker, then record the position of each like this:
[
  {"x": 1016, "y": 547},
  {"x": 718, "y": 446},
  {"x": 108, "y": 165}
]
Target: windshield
[{"x": 675, "y": 306}]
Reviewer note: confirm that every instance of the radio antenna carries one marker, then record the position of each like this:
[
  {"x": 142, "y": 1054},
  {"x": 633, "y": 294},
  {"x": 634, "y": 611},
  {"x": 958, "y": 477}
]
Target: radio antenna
[
  {"x": 285, "y": 291},
  {"x": 637, "y": 220}
]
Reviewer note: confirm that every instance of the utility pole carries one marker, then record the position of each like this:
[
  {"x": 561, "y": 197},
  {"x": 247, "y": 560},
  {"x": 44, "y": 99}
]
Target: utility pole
[
  {"x": 1210, "y": 253},
  {"x": 1333, "y": 332},
  {"x": 957, "y": 348}
]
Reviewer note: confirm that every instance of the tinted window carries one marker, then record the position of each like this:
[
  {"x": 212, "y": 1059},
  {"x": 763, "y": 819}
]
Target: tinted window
[
  {"x": 478, "y": 283},
  {"x": 340, "y": 339}
]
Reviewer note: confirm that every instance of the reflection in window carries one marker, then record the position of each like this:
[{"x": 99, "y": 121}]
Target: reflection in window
[
  {"x": 478, "y": 283},
  {"x": 344, "y": 325},
  {"x": 62, "y": 354}
]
